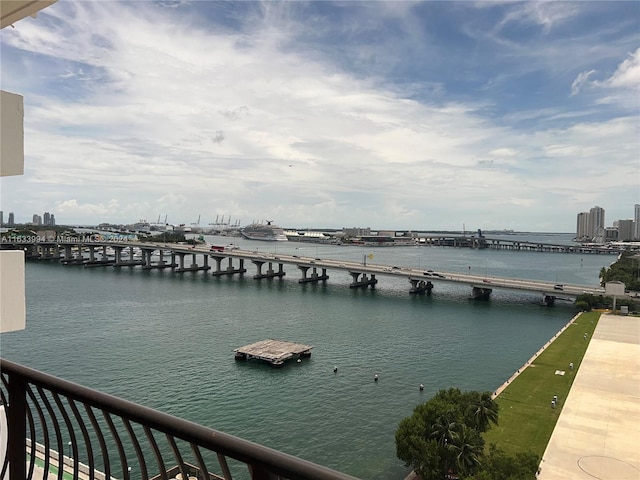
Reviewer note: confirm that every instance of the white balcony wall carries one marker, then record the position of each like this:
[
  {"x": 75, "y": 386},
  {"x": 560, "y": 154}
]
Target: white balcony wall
[
  {"x": 11, "y": 134},
  {"x": 12, "y": 291}
]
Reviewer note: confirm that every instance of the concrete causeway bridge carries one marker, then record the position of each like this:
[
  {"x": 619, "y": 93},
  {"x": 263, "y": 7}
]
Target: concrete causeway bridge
[{"x": 191, "y": 258}]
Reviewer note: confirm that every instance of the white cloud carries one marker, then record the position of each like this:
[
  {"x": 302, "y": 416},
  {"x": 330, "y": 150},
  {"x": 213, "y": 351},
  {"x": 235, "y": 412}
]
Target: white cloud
[
  {"x": 581, "y": 80},
  {"x": 627, "y": 75},
  {"x": 622, "y": 84},
  {"x": 72, "y": 207},
  {"x": 172, "y": 118},
  {"x": 547, "y": 14}
]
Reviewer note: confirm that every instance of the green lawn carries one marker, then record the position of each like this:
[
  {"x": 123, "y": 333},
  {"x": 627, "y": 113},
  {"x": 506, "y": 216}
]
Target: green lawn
[
  {"x": 52, "y": 469},
  {"x": 526, "y": 418}
]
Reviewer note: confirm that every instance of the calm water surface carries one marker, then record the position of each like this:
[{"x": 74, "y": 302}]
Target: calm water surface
[{"x": 166, "y": 340}]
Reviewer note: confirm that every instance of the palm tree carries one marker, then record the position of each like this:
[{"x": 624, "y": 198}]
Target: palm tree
[
  {"x": 466, "y": 448},
  {"x": 443, "y": 429},
  {"x": 483, "y": 412}
]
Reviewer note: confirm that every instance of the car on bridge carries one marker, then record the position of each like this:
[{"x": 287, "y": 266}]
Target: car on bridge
[{"x": 558, "y": 287}]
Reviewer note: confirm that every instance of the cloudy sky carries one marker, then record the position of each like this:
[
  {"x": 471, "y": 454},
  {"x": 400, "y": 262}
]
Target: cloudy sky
[{"x": 405, "y": 115}]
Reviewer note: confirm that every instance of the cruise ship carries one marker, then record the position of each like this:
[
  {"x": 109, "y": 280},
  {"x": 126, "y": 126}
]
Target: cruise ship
[{"x": 261, "y": 231}]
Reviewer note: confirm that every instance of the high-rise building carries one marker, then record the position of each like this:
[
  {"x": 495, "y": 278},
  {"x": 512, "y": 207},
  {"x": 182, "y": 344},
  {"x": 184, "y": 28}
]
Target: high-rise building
[
  {"x": 11, "y": 222},
  {"x": 52, "y": 219},
  {"x": 636, "y": 222},
  {"x": 625, "y": 229},
  {"x": 37, "y": 219},
  {"x": 582, "y": 228},
  {"x": 610, "y": 234},
  {"x": 1, "y": 218},
  {"x": 46, "y": 220},
  {"x": 596, "y": 224}
]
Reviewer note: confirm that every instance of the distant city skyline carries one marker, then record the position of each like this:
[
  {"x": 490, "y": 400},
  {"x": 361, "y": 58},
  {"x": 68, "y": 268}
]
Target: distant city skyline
[
  {"x": 591, "y": 226},
  {"x": 48, "y": 219},
  {"x": 395, "y": 115}
]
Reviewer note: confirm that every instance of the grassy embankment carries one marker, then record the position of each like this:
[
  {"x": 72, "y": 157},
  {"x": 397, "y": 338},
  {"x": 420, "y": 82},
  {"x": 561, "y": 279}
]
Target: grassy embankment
[{"x": 526, "y": 418}]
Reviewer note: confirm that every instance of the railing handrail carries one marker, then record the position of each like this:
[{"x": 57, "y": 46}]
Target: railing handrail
[{"x": 226, "y": 444}]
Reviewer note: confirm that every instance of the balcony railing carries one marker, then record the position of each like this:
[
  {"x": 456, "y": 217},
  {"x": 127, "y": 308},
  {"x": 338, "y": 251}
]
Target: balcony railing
[{"x": 59, "y": 429}]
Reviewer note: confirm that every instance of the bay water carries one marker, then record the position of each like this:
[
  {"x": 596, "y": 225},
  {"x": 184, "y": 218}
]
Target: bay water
[{"x": 166, "y": 340}]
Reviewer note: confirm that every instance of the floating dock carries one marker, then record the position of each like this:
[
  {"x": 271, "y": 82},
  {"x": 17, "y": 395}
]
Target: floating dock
[{"x": 274, "y": 352}]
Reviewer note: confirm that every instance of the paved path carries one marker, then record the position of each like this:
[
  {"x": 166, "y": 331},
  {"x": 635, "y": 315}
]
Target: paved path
[{"x": 598, "y": 432}]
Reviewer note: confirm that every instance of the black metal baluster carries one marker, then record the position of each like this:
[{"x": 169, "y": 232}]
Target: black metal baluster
[
  {"x": 156, "y": 451},
  {"x": 226, "y": 472},
  {"x": 136, "y": 446},
  {"x": 72, "y": 434},
  {"x": 45, "y": 431},
  {"x": 85, "y": 436},
  {"x": 116, "y": 437},
  {"x": 5, "y": 403},
  {"x": 200, "y": 460},
  {"x": 56, "y": 428},
  {"x": 32, "y": 433},
  {"x": 16, "y": 423},
  {"x": 178, "y": 457},
  {"x": 103, "y": 445}
]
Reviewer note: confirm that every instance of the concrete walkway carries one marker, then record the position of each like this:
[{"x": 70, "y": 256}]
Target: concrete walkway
[{"x": 598, "y": 432}]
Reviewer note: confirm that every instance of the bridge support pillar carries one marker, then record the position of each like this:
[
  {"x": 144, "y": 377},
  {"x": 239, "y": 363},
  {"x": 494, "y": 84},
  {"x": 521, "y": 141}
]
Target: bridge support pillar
[
  {"x": 362, "y": 282},
  {"x": 67, "y": 253},
  {"x": 219, "y": 271},
  {"x": 315, "y": 277},
  {"x": 72, "y": 258},
  {"x": 31, "y": 251},
  {"x": 126, "y": 263},
  {"x": 146, "y": 258},
  {"x": 271, "y": 273},
  {"x": 548, "y": 300},
  {"x": 218, "y": 260},
  {"x": 481, "y": 293},
  {"x": 420, "y": 286},
  {"x": 193, "y": 266},
  {"x": 45, "y": 251},
  {"x": 50, "y": 252},
  {"x": 97, "y": 262},
  {"x": 118, "y": 256},
  {"x": 162, "y": 263}
]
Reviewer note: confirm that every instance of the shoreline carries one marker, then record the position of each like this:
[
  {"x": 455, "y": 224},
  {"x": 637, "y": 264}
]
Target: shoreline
[
  {"x": 499, "y": 390},
  {"x": 413, "y": 476}
]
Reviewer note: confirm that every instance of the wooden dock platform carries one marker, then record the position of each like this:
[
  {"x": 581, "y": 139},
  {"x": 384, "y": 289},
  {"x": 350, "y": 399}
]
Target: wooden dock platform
[{"x": 274, "y": 352}]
